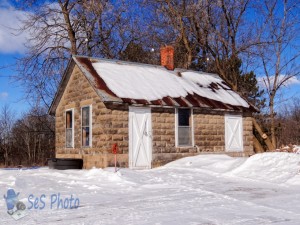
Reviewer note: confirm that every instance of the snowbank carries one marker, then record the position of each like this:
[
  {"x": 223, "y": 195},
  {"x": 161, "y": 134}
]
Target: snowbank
[
  {"x": 274, "y": 167},
  {"x": 296, "y": 149},
  {"x": 277, "y": 167},
  {"x": 211, "y": 163},
  {"x": 96, "y": 173}
]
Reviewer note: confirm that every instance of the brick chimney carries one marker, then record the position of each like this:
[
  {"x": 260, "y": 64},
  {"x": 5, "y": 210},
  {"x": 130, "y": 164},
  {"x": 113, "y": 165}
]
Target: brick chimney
[{"x": 167, "y": 57}]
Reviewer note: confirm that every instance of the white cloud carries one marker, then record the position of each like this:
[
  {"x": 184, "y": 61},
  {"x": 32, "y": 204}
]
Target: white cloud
[
  {"x": 3, "y": 95},
  {"x": 291, "y": 81},
  {"x": 9, "y": 20},
  {"x": 10, "y": 23},
  {"x": 288, "y": 83}
]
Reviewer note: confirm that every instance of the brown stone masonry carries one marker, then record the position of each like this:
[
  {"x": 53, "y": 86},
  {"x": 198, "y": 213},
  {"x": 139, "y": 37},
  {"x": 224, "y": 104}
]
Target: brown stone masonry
[{"x": 109, "y": 125}]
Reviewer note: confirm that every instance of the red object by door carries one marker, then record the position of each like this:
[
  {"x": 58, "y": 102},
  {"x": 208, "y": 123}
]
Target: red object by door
[{"x": 115, "y": 148}]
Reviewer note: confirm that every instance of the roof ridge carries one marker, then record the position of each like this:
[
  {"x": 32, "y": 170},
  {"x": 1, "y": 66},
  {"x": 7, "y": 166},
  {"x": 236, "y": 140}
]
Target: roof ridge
[
  {"x": 121, "y": 61},
  {"x": 182, "y": 70}
]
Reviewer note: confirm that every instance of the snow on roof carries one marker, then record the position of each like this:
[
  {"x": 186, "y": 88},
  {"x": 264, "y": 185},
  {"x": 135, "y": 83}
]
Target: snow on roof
[{"x": 135, "y": 81}]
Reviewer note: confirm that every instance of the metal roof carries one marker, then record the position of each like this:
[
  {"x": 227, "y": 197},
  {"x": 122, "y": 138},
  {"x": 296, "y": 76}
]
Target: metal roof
[{"x": 107, "y": 95}]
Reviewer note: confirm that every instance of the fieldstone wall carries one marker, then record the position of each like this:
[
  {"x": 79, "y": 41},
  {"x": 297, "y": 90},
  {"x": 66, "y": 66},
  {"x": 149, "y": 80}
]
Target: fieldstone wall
[
  {"x": 248, "y": 135},
  {"x": 109, "y": 125}
]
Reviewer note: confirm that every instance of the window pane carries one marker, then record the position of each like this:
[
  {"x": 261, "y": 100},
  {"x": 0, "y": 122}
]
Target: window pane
[
  {"x": 69, "y": 121},
  {"x": 85, "y": 126},
  {"x": 184, "y": 136},
  {"x": 184, "y": 117},
  {"x": 69, "y": 138},
  {"x": 85, "y": 136},
  {"x": 69, "y": 129},
  {"x": 86, "y": 116}
]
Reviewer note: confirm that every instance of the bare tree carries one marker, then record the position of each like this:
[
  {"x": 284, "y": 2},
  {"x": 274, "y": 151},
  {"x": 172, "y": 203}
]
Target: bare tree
[
  {"x": 279, "y": 55},
  {"x": 170, "y": 18},
  {"x": 34, "y": 137},
  {"x": 61, "y": 28},
  {"x": 226, "y": 36},
  {"x": 289, "y": 123},
  {"x": 6, "y": 138},
  {"x": 212, "y": 36}
]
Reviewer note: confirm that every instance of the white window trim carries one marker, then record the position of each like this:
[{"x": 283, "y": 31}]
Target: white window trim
[
  {"x": 90, "y": 125},
  {"x": 72, "y": 110},
  {"x": 176, "y": 129}
]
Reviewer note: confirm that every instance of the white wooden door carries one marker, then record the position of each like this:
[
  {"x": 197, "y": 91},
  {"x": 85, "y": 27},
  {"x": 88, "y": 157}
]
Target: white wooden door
[
  {"x": 140, "y": 138},
  {"x": 233, "y": 133}
]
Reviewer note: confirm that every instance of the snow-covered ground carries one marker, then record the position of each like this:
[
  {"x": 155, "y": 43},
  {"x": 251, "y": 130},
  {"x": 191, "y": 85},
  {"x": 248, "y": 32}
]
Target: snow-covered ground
[{"x": 206, "y": 189}]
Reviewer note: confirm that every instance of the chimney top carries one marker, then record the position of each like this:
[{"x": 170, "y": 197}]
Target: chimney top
[{"x": 167, "y": 57}]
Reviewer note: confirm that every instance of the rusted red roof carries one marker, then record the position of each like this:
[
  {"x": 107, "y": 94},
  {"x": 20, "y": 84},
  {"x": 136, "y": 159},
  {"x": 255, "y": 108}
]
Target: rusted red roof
[{"x": 190, "y": 99}]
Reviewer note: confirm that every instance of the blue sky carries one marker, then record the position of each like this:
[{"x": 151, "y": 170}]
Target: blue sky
[
  {"x": 11, "y": 93},
  {"x": 12, "y": 46}
]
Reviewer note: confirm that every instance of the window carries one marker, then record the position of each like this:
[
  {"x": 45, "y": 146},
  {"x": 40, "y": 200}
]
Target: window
[
  {"x": 184, "y": 127},
  {"x": 86, "y": 126},
  {"x": 69, "y": 129}
]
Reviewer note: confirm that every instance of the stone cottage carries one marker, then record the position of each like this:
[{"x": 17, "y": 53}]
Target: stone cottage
[{"x": 155, "y": 114}]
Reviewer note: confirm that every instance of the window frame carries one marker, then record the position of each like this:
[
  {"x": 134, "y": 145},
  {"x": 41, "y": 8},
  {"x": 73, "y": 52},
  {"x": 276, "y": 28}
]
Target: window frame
[
  {"x": 191, "y": 125},
  {"x": 69, "y": 110},
  {"x": 90, "y": 126}
]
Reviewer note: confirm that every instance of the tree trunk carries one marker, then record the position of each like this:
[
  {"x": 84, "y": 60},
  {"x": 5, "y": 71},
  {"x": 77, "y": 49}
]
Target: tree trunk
[
  {"x": 266, "y": 139},
  {"x": 258, "y": 148},
  {"x": 272, "y": 117},
  {"x": 187, "y": 47},
  {"x": 71, "y": 32}
]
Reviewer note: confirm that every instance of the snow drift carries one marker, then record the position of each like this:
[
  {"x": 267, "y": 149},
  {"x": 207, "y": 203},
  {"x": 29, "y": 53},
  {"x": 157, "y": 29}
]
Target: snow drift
[
  {"x": 274, "y": 167},
  {"x": 277, "y": 167}
]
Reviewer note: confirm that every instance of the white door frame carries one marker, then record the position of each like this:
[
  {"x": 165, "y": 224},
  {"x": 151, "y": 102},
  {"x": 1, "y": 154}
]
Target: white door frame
[
  {"x": 142, "y": 138},
  {"x": 231, "y": 132}
]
